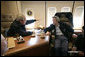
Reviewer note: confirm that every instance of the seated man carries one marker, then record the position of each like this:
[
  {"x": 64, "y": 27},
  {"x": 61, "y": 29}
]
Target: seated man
[
  {"x": 18, "y": 26},
  {"x": 59, "y": 32},
  {"x": 3, "y": 45},
  {"x": 79, "y": 43}
]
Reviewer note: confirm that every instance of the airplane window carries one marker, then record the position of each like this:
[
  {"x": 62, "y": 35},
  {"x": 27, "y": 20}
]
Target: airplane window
[
  {"x": 78, "y": 17},
  {"x": 50, "y": 14}
]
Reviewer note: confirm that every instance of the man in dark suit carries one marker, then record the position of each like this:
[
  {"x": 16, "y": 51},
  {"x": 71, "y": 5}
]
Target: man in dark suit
[
  {"x": 79, "y": 43},
  {"x": 18, "y": 26},
  {"x": 59, "y": 33}
]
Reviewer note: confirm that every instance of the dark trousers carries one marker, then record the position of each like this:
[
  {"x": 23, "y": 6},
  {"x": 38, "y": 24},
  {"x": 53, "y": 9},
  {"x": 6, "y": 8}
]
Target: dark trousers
[{"x": 61, "y": 46}]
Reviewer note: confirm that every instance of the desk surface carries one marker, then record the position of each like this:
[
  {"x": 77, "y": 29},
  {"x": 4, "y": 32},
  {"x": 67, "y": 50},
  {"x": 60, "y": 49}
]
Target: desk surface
[{"x": 30, "y": 42}]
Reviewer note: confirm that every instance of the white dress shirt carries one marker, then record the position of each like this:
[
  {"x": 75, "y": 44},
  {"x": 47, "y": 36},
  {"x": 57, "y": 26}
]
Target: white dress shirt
[{"x": 58, "y": 31}]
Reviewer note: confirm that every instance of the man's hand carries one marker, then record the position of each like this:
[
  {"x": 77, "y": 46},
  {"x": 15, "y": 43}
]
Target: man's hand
[
  {"x": 81, "y": 53},
  {"x": 74, "y": 49},
  {"x": 74, "y": 36},
  {"x": 48, "y": 33}
]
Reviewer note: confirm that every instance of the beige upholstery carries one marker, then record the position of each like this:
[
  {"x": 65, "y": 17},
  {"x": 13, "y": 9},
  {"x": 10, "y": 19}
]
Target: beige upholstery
[
  {"x": 6, "y": 21},
  {"x": 6, "y": 24}
]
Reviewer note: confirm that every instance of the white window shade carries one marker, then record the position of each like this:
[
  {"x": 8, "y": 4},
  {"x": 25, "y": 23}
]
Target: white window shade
[
  {"x": 65, "y": 9},
  {"x": 51, "y": 12},
  {"x": 78, "y": 17}
]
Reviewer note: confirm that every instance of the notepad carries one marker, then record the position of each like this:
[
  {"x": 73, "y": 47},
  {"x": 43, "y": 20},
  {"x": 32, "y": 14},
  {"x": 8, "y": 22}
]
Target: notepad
[{"x": 11, "y": 42}]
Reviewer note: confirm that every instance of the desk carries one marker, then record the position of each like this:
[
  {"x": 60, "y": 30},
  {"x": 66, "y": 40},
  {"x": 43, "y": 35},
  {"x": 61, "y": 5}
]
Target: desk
[{"x": 33, "y": 46}]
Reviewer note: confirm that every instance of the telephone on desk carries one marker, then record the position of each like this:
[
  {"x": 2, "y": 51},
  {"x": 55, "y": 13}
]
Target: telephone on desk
[
  {"x": 11, "y": 41},
  {"x": 20, "y": 40}
]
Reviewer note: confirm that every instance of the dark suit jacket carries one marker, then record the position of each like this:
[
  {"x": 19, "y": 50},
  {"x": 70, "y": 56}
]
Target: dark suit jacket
[
  {"x": 66, "y": 30},
  {"x": 17, "y": 28},
  {"x": 79, "y": 43}
]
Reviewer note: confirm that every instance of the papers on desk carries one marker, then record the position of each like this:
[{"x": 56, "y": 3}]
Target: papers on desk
[
  {"x": 33, "y": 41},
  {"x": 11, "y": 42},
  {"x": 73, "y": 51}
]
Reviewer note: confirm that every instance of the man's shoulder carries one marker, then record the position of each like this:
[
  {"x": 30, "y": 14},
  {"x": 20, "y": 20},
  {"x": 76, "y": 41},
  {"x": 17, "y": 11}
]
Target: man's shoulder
[
  {"x": 51, "y": 25},
  {"x": 15, "y": 24}
]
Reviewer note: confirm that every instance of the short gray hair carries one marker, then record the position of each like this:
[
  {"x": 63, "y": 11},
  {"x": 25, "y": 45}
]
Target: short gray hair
[
  {"x": 57, "y": 18},
  {"x": 20, "y": 17}
]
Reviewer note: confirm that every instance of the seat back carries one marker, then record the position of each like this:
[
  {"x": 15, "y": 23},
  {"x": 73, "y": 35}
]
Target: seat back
[
  {"x": 6, "y": 21},
  {"x": 66, "y": 17}
]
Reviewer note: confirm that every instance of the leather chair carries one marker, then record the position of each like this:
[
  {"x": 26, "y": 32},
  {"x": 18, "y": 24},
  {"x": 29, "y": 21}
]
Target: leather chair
[
  {"x": 66, "y": 17},
  {"x": 6, "y": 21}
]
